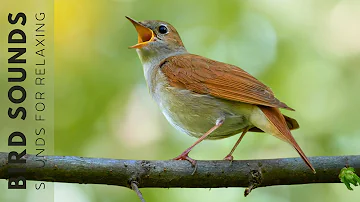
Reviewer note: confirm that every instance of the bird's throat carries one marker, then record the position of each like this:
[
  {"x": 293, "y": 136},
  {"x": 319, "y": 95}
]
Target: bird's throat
[
  {"x": 151, "y": 61},
  {"x": 155, "y": 56}
]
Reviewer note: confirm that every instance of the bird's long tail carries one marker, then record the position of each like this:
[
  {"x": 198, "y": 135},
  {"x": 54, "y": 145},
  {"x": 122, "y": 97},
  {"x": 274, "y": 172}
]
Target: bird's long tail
[{"x": 278, "y": 121}]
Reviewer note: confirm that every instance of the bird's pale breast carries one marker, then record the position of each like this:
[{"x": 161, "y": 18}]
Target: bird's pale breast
[{"x": 195, "y": 113}]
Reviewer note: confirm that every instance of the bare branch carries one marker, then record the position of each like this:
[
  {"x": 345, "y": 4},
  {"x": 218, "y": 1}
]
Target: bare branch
[{"x": 209, "y": 174}]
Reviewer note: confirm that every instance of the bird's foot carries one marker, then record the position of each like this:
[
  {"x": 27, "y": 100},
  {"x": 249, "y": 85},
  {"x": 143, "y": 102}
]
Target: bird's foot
[
  {"x": 185, "y": 156},
  {"x": 230, "y": 158}
]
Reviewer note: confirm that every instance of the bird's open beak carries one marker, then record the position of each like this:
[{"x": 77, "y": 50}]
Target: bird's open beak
[{"x": 145, "y": 35}]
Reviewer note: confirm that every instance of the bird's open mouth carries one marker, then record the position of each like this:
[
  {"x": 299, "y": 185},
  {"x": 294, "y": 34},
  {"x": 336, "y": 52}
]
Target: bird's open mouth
[{"x": 145, "y": 35}]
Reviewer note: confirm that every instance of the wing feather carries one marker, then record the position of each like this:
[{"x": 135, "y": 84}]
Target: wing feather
[{"x": 205, "y": 76}]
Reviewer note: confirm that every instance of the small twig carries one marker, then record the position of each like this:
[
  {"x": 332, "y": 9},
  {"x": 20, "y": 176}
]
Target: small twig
[
  {"x": 255, "y": 180},
  {"x": 248, "y": 190},
  {"x": 135, "y": 187}
]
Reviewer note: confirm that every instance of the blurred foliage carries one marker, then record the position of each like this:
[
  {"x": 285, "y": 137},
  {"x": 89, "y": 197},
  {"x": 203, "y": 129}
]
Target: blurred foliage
[
  {"x": 307, "y": 51},
  {"x": 348, "y": 177}
]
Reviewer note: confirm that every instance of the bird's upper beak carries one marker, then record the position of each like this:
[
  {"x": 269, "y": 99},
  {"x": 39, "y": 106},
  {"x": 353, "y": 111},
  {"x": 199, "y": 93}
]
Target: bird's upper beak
[{"x": 145, "y": 35}]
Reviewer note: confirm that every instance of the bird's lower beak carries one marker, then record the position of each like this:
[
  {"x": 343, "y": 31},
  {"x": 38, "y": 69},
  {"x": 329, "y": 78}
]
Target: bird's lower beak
[{"x": 145, "y": 35}]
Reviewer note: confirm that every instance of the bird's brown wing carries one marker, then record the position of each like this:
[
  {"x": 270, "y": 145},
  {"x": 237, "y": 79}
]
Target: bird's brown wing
[{"x": 205, "y": 76}]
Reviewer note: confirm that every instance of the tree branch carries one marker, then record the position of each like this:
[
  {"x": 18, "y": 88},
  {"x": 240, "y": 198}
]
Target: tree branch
[{"x": 209, "y": 174}]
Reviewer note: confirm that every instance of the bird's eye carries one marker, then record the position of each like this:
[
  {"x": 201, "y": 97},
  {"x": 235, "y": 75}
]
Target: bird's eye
[{"x": 163, "y": 29}]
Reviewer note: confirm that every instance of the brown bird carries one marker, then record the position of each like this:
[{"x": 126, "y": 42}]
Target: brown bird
[{"x": 205, "y": 98}]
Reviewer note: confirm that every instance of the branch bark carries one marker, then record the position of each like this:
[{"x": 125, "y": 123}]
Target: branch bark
[{"x": 209, "y": 174}]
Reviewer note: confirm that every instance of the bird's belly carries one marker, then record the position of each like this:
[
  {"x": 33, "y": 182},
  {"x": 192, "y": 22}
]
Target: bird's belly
[{"x": 195, "y": 114}]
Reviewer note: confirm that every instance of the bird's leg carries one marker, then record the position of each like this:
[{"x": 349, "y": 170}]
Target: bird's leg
[
  {"x": 229, "y": 156},
  {"x": 185, "y": 154}
]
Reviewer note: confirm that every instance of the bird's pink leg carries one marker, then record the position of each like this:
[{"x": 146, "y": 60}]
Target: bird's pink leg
[
  {"x": 229, "y": 156},
  {"x": 185, "y": 154}
]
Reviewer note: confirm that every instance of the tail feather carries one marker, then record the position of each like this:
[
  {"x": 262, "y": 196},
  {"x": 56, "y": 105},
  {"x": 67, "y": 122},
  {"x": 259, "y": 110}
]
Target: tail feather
[
  {"x": 290, "y": 122},
  {"x": 278, "y": 121}
]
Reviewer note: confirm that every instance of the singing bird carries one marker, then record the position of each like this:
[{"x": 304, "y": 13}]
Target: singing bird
[{"x": 205, "y": 98}]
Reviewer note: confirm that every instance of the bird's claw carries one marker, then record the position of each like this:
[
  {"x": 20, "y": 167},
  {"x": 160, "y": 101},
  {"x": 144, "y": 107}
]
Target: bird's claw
[
  {"x": 230, "y": 158},
  {"x": 184, "y": 156}
]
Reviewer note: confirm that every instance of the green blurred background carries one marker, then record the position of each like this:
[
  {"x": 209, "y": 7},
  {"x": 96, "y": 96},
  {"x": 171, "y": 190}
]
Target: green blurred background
[{"x": 307, "y": 51}]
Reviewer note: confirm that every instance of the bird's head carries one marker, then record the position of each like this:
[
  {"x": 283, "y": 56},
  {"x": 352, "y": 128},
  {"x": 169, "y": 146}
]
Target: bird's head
[{"x": 156, "y": 39}]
